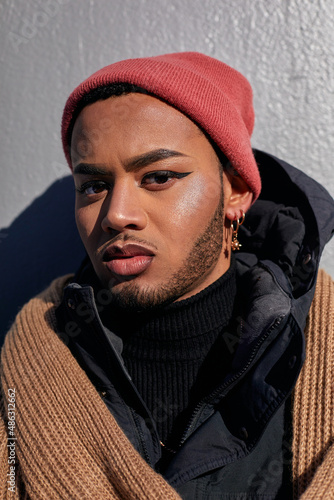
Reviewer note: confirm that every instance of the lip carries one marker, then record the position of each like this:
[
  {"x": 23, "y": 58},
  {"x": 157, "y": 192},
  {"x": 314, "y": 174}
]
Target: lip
[{"x": 128, "y": 260}]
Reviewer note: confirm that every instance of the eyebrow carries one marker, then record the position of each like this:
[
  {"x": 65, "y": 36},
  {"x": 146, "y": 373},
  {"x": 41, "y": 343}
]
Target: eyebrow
[
  {"x": 133, "y": 164},
  {"x": 89, "y": 169},
  {"x": 151, "y": 157}
]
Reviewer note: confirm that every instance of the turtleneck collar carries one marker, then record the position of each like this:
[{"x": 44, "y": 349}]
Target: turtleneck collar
[{"x": 206, "y": 311}]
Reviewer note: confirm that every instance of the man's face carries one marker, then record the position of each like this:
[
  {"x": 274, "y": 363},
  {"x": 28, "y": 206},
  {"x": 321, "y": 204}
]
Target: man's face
[{"x": 149, "y": 200}]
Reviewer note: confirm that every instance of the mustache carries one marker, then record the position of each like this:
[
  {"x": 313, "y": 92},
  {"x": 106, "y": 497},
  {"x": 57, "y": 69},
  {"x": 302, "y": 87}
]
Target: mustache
[{"x": 124, "y": 238}]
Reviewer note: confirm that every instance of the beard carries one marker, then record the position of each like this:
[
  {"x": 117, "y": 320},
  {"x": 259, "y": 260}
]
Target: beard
[{"x": 199, "y": 261}]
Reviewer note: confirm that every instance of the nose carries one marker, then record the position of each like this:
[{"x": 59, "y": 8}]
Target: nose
[{"x": 123, "y": 208}]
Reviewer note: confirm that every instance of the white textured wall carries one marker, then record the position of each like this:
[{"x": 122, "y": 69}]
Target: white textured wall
[{"x": 284, "y": 47}]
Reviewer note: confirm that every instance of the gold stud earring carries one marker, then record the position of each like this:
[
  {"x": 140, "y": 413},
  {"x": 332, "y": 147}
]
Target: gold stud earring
[{"x": 235, "y": 245}]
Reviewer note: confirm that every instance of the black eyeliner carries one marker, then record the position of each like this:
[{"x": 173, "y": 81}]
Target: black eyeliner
[{"x": 88, "y": 184}]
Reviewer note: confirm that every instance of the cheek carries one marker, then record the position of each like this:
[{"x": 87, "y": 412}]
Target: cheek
[
  {"x": 86, "y": 221},
  {"x": 201, "y": 198},
  {"x": 194, "y": 208}
]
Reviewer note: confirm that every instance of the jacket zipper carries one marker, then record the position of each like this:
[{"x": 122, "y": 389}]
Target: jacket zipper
[
  {"x": 229, "y": 383},
  {"x": 141, "y": 438}
]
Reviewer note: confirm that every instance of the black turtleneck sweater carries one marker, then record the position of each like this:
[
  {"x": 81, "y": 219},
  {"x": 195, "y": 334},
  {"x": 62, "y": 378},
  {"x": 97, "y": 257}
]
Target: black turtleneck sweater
[{"x": 169, "y": 352}]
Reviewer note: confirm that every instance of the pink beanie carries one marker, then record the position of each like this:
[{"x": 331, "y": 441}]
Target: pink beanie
[{"x": 215, "y": 96}]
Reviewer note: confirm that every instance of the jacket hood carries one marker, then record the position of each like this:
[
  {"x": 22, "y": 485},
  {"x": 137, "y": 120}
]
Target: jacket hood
[{"x": 287, "y": 227}]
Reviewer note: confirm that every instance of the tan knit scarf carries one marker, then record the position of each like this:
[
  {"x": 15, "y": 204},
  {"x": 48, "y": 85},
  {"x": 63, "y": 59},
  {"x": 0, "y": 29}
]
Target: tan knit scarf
[
  {"x": 313, "y": 413},
  {"x": 68, "y": 445}
]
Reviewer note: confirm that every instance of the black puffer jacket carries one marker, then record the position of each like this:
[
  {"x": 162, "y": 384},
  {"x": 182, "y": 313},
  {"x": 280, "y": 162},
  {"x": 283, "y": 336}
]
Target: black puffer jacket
[{"x": 236, "y": 444}]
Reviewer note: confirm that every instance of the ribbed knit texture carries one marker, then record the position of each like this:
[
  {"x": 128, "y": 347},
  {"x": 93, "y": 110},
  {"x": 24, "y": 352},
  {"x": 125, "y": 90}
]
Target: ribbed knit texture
[
  {"x": 313, "y": 417},
  {"x": 70, "y": 447},
  {"x": 217, "y": 97},
  {"x": 164, "y": 350},
  {"x": 68, "y": 444}
]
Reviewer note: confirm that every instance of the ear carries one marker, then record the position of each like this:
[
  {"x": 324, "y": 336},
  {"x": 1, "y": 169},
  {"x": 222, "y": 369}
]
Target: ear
[{"x": 237, "y": 196}]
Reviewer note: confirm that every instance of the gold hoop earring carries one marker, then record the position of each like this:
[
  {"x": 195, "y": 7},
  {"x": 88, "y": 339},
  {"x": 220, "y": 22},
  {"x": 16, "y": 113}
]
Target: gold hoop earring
[{"x": 235, "y": 245}]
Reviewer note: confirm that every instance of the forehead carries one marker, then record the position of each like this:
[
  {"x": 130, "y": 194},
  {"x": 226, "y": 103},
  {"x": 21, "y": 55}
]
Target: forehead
[{"x": 132, "y": 118}]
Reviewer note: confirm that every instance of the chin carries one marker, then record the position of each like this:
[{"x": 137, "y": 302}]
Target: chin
[{"x": 135, "y": 297}]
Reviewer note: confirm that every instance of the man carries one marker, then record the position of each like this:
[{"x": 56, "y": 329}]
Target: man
[{"x": 167, "y": 366}]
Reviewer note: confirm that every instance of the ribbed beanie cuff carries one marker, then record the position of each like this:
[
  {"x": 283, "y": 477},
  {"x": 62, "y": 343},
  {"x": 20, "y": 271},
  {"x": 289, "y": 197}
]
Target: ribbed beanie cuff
[{"x": 214, "y": 95}]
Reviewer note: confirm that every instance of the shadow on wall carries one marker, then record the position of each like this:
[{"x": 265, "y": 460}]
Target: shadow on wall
[{"x": 41, "y": 244}]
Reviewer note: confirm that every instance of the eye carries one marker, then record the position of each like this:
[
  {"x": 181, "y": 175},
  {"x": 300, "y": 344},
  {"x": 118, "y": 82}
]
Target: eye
[
  {"x": 161, "y": 178},
  {"x": 93, "y": 187}
]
